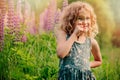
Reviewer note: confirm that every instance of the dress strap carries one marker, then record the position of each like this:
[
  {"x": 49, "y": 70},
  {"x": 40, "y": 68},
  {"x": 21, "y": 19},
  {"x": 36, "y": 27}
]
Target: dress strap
[
  {"x": 67, "y": 36},
  {"x": 89, "y": 42}
]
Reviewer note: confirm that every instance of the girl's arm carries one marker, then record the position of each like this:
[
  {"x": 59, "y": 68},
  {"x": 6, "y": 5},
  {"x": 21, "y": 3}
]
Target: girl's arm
[
  {"x": 63, "y": 45},
  {"x": 96, "y": 53}
]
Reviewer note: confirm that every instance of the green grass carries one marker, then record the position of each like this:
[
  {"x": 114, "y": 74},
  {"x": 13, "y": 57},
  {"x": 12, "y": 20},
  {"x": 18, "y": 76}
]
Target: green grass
[
  {"x": 109, "y": 70},
  {"x": 37, "y": 60}
]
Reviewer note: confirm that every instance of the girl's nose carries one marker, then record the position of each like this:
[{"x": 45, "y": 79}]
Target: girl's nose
[{"x": 84, "y": 23}]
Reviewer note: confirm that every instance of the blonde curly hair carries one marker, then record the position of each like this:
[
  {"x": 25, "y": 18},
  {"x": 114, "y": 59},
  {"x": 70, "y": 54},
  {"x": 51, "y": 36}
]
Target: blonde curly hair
[{"x": 70, "y": 14}]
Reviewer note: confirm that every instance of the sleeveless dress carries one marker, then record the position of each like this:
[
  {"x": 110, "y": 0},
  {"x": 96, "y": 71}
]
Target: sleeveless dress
[{"x": 76, "y": 65}]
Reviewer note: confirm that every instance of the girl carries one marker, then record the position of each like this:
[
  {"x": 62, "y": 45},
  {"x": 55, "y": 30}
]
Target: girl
[{"x": 75, "y": 42}]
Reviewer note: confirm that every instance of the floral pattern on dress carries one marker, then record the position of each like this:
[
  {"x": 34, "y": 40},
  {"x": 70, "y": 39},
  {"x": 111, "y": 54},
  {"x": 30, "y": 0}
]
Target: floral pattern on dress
[{"x": 76, "y": 65}]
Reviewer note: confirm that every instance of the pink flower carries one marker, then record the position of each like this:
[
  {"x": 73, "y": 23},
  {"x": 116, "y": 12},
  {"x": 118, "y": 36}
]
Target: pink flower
[
  {"x": 13, "y": 21},
  {"x": 32, "y": 30},
  {"x": 47, "y": 17},
  {"x": 2, "y": 16},
  {"x": 65, "y": 3},
  {"x": 24, "y": 38},
  {"x": 19, "y": 10},
  {"x": 57, "y": 16}
]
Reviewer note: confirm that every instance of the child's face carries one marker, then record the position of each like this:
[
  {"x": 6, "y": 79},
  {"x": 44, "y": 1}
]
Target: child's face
[{"x": 83, "y": 20}]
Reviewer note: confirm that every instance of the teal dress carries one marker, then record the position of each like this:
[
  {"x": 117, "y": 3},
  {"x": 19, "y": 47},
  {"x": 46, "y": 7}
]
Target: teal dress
[{"x": 76, "y": 65}]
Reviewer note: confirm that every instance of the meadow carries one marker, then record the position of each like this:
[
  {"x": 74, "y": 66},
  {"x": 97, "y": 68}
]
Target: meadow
[
  {"x": 37, "y": 60},
  {"x": 28, "y": 42}
]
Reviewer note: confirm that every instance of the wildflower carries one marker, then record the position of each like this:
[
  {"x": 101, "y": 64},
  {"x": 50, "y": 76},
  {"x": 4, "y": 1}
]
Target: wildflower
[
  {"x": 2, "y": 16},
  {"x": 65, "y": 3}
]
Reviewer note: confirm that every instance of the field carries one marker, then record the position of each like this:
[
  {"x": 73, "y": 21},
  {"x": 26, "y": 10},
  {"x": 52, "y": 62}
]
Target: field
[
  {"x": 28, "y": 43},
  {"x": 36, "y": 60}
]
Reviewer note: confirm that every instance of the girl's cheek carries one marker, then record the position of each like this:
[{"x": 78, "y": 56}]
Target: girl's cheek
[{"x": 79, "y": 24}]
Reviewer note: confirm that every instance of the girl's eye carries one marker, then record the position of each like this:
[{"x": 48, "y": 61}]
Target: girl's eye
[
  {"x": 87, "y": 18},
  {"x": 80, "y": 18}
]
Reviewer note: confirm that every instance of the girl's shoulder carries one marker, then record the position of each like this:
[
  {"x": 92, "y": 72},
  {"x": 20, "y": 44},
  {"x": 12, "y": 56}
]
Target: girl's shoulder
[{"x": 94, "y": 42}]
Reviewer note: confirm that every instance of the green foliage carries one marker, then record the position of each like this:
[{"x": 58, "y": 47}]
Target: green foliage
[
  {"x": 110, "y": 67},
  {"x": 35, "y": 59}
]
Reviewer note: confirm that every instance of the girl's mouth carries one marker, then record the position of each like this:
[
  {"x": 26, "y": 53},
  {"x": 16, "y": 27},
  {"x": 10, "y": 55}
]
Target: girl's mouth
[{"x": 84, "y": 27}]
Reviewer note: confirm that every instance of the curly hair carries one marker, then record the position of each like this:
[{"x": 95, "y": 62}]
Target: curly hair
[{"x": 70, "y": 14}]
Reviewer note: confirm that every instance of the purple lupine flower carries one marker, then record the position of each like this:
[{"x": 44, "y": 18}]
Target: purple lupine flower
[
  {"x": 31, "y": 26},
  {"x": 45, "y": 19},
  {"x": 24, "y": 38},
  {"x": 28, "y": 20},
  {"x": 65, "y": 3},
  {"x": 2, "y": 16},
  {"x": 1, "y": 32},
  {"x": 19, "y": 10},
  {"x": 26, "y": 12},
  {"x": 10, "y": 16},
  {"x": 42, "y": 20},
  {"x": 13, "y": 22},
  {"x": 57, "y": 16},
  {"x": 49, "y": 16},
  {"x": 53, "y": 11},
  {"x": 17, "y": 27}
]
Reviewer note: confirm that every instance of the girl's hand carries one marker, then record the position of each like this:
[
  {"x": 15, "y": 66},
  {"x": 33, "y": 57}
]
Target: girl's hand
[{"x": 78, "y": 30}]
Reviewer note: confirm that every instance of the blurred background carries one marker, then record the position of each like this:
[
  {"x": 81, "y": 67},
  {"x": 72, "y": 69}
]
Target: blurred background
[{"x": 28, "y": 44}]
